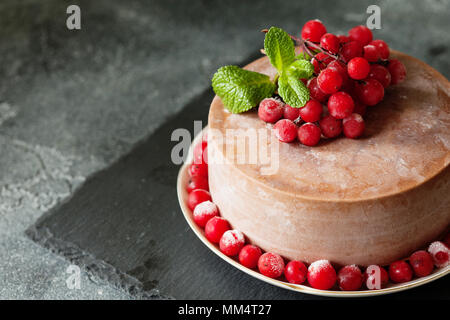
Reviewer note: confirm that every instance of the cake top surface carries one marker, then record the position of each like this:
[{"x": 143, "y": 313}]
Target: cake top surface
[{"x": 406, "y": 142}]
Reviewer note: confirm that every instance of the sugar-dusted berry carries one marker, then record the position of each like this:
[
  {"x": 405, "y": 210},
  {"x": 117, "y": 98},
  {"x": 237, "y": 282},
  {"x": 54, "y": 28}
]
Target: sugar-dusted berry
[
  {"x": 231, "y": 242},
  {"x": 321, "y": 275},
  {"x": 440, "y": 254},
  {"x": 270, "y": 110},
  {"x": 350, "y": 278},
  {"x": 330, "y": 126},
  {"x": 271, "y": 265},
  {"x": 285, "y": 130},
  {"x": 197, "y": 196},
  {"x": 249, "y": 256},
  {"x": 205, "y": 211},
  {"x": 353, "y": 126},
  {"x": 309, "y": 134},
  {"x": 375, "y": 277},
  {"x": 340, "y": 105},
  {"x": 422, "y": 263},
  {"x": 400, "y": 271},
  {"x": 215, "y": 228},
  {"x": 295, "y": 272}
]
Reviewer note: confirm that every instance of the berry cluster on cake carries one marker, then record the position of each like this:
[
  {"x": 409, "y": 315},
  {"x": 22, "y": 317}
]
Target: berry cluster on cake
[{"x": 353, "y": 205}]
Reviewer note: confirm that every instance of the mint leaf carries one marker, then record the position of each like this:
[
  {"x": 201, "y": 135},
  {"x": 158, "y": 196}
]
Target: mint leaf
[
  {"x": 241, "y": 90},
  {"x": 293, "y": 91},
  {"x": 303, "y": 56},
  {"x": 279, "y": 47},
  {"x": 301, "y": 69}
]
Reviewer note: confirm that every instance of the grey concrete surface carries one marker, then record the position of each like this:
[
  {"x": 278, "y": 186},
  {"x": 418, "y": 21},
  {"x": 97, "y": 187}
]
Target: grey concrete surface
[{"x": 72, "y": 102}]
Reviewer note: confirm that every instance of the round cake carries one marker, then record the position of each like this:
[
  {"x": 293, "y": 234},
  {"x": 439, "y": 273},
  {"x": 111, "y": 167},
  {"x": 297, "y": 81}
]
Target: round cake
[{"x": 361, "y": 201}]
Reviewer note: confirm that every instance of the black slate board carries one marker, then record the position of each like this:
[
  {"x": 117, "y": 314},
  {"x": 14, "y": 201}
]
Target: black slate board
[{"x": 125, "y": 225}]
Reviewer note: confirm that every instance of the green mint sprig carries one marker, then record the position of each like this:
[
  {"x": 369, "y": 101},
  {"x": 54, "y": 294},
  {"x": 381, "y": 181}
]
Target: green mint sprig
[{"x": 241, "y": 90}]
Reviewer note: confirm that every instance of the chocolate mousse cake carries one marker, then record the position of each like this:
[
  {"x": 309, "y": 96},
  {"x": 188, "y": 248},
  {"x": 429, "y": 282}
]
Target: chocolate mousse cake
[{"x": 364, "y": 201}]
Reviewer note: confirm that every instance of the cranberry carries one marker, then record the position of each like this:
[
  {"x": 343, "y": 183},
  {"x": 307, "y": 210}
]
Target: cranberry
[
  {"x": 382, "y": 47},
  {"x": 249, "y": 256},
  {"x": 313, "y": 30},
  {"x": 295, "y": 272},
  {"x": 340, "y": 105},
  {"x": 271, "y": 265},
  {"x": 371, "y": 53},
  {"x": 329, "y": 80},
  {"x": 381, "y": 74},
  {"x": 361, "y": 34},
  {"x": 397, "y": 70},
  {"x": 359, "y": 108},
  {"x": 205, "y": 211},
  {"x": 400, "y": 271},
  {"x": 309, "y": 134},
  {"x": 215, "y": 228},
  {"x": 330, "y": 42},
  {"x": 232, "y": 242},
  {"x": 372, "y": 273},
  {"x": 200, "y": 153},
  {"x": 358, "y": 68},
  {"x": 315, "y": 92},
  {"x": 440, "y": 254},
  {"x": 270, "y": 110},
  {"x": 339, "y": 67},
  {"x": 370, "y": 92},
  {"x": 321, "y": 275},
  {"x": 422, "y": 263},
  {"x": 197, "y": 182},
  {"x": 197, "y": 196},
  {"x": 349, "y": 278},
  {"x": 320, "y": 61},
  {"x": 196, "y": 170},
  {"x": 285, "y": 130},
  {"x": 351, "y": 50},
  {"x": 343, "y": 38},
  {"x": 290, "y": 113},
  {"x": 353, "y": 126},
  {"x": 330, "y": 126},
  {"x": 312, "y": 111}
]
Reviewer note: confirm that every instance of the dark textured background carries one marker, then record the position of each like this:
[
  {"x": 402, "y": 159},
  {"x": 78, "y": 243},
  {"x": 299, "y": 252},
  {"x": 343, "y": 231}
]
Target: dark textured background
[{"x": 73, "y": 102}]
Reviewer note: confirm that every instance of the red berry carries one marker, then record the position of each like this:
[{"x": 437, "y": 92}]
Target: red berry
[
  {"x": 205, "y": 211},
  {"x": 400, "y": 271},
  {"x": 290, "y": 113},
  {"x": 359, "y": 108},
  {"x": 309, "y": 134},
  {"x": 353, "y": 126},
  {"x": 381, "y": 74},
  {"x": 397, "y": 71},
  {"x": 371, "y": 53},
  {"x": 361, "y": 34},
  {"x": 271, "y": 265},
  {"x": 197, "y": 182},
  {"x": 351, "y": 50},
  {"x": 320, "y": 61},
  {"x": 330, "y": 126},
  {"x": 358, "y": 68},
  {"x": 285, "y": 130},
  {"x": 422, "y": 263},
  {"x": 339, "y": 67},
  {"x": 232, "y": 242},
  {"x": 321, "y": 275},
  {"x": 349, "y": 278},
  {"x": 343, "y": 38},
  {"x": 249, "y": 256},
  {"x": 270, "y": 110},
  {"x": 200, "y": 153},
  {"x": 330, "y": 42},
  {"x": 311, "y": 112},
  {"x": 329, "y": 80},
  {"x": 340, "y": 105},
  {"x": 370, "y": 92},
  {"x": 382, "y": 47},
  {"x": 295, "y": 272},
  {"x": 313, "y": 30},
  {"x": 440, "y": 254},
  {"x": 196, "y": 170},
  {"x": 375, "y": 277},
  {"x": 215, "y": 228},
  {"x": 197, "y": 196},
  {"x": 315, "y": 92}
]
